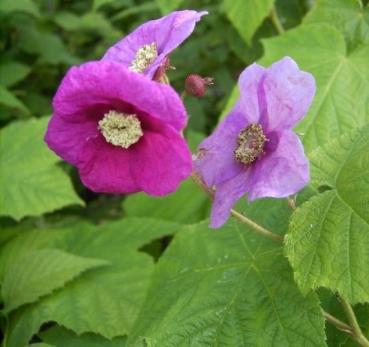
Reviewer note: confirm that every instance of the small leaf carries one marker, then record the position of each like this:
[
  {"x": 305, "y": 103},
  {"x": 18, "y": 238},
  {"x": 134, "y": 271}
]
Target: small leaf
[
  {"x": 226, "y": 287},
  {"x": 8, "y": 99},
  {"x": 38, "y": 273},
  {"x": 66, "y": 338},
  {"x": 12, "y": 72},
  {"x": 33, "y": 184},
  {"x": 167, "y": 6},
  {"x": 328, "y": 237},
  {"x": 247, "y": 15},
  {"x": 28, "y": 6}
]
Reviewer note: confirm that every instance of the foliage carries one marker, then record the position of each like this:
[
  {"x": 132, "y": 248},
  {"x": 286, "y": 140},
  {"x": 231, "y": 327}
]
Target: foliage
[{"x": 85, "y": 269}]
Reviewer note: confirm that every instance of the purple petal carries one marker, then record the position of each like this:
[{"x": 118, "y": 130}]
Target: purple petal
[
  {"x": 227, "y": 193},
  {"x": 249, "y": 103},
  {"x": 97, "y": 85},
  {"x": 160, "y": 161},
  {"x": 216, "y": 161},
  {"x": 288, "y": 94},
  {"x": 167, "y": 32},
  {"x": 283, "y": 170}
]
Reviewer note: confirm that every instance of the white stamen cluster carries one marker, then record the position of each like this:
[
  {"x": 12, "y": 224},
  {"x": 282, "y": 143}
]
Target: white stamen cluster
[
  {"x": 119, "y": 129},
  {"x": 144, "y": 58}
]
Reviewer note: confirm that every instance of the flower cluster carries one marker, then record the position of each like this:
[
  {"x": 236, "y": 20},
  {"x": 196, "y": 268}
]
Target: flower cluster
[
  {"x": 122, "y": 129},
  {"x": 254, "y": 150},
  {"x": 114, "y": 123}
]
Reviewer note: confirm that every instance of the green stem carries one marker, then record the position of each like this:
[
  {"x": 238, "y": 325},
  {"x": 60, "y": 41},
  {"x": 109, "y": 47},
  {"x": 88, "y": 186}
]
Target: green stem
[
  {"x": 357, "y": 333},
  {"x": 275, "y": 19},
  {"x": 291, "y": 203},
  {"x": 183, "y": 95},
  {"x": 239, "y": 216},
  {"x": 338, "y": 324}
]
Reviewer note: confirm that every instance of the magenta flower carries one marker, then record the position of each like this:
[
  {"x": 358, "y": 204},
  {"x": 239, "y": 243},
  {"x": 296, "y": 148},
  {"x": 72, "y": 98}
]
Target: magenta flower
[
  {"x": 120, "y": 129},
  {"x": 254, "y": 150},
  {"x": 145, "y": 50}
]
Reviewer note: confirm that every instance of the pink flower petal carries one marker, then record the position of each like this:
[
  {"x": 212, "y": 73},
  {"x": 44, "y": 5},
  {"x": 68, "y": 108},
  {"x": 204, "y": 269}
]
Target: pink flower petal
[
  {"x": 101, "y": 85},
  {"x": 66, "y": 138},
  {"x": 160, "y": 161},
  {"x": 288, "y": 94},
  {"x": 167, "y": 32},
  {"x": 282, "y": 171},
  {"x": 105, "y": 168}
]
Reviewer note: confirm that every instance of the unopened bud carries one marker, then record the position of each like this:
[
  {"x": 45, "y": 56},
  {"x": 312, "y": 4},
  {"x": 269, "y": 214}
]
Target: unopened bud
[{"x": 195, "y": 85}]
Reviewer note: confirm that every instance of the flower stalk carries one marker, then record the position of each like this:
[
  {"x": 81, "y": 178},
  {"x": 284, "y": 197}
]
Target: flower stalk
[
  {"x": 235, "y": 214},
  {"x": 357, "y": 334}
]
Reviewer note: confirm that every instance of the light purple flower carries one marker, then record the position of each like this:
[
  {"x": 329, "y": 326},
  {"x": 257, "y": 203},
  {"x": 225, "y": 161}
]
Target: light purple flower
[
  {"x": 164, "y": 34},
  {"x": 254, "y": 150},
  {"x": 120, "y": 129}
]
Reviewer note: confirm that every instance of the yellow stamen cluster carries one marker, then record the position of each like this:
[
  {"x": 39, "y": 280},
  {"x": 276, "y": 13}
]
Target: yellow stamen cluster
[
  {"x": 119, "y": 129},
  {"x": 250, "y": 141},
  {"x": 144, "y": 58}
]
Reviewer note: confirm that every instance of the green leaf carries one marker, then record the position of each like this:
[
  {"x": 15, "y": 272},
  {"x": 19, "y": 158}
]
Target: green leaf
[
  {"x": 341, "y": 102},
  {"x": 144, "y": 7},
  {"x": 167, "y": 6},
  {"x": 40, "y": 272},
  {"x": 98, "y": 3},
  {"x": 12, "y": 72},
  {"x": 247, "y": 15},
  {"x": 28, "y": 6},
  {"x": 32, "y": 184},
  {"x": 226, "y": 287},
  {"x": 187, "y": 205},
  {"x": 62, "y": 337},
  {"x": 105, "y": 301},
  {"x": 348, "y": 16},
  {"x": 328, "y": 237},
  {"x": 8, "y": 99}
]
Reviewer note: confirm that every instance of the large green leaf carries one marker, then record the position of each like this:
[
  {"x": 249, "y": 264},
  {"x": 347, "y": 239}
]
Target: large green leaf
[
  {"x": 247, "y": 15},
  {"x": 186, "y": 205},
  {"x": 226, "y": 287},
  {"x": 31, "y": 183},
  {"x": 348, "y": 16},
  {"x": 105, "y": 301},
  {"x": 328, "y": 239},
  {"x": 62, "y": 337},
  {"x": 342, "y": 98},
  {"x": 40, "y": 272}
]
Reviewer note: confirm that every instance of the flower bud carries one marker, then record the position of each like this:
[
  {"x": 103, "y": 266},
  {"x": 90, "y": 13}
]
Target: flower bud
[{"x": 195, "y": 85}]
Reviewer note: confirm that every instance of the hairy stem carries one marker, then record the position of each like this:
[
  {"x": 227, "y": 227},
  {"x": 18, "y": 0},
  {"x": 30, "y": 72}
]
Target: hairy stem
[
  {"x": 338, "y": 324},
  {"x": 291, "y": 203},
  {"x": 237, "y": 215},
  {"x": 357, "y": 333},
  {"x": 276, "y": 22}
]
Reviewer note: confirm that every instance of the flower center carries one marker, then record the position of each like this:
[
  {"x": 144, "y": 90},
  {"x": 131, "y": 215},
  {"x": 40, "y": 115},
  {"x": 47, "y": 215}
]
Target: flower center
[
  {"x": 250, "y": 142},
  {"x": 144, "y": 58},
  {"x": 119, "y": 129}
]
